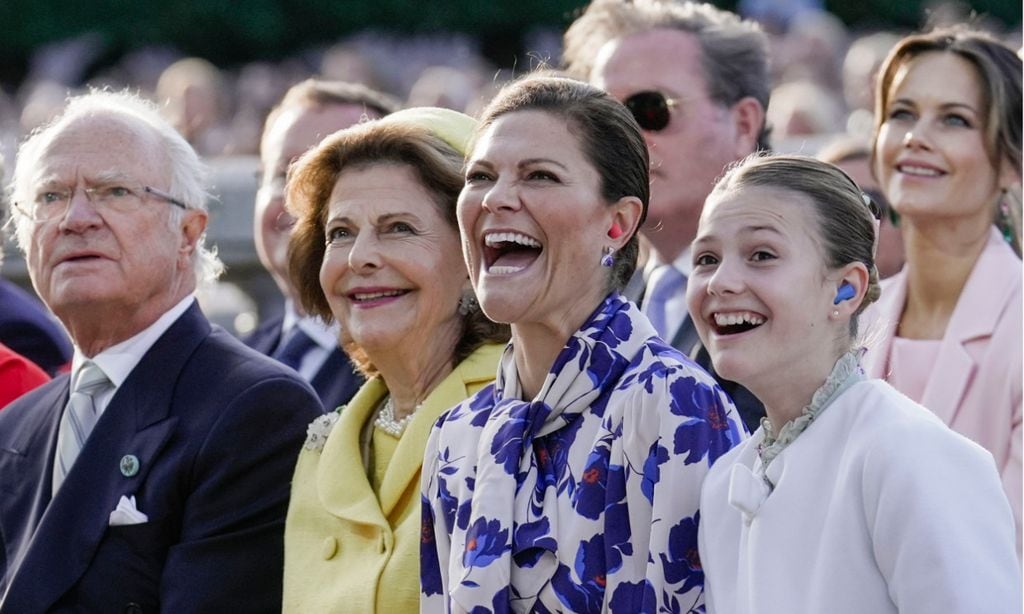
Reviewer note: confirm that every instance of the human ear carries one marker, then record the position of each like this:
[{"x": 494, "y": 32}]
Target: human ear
[
  {"x": 193, "y": 225},
  {"x": 623, "y": 221},
  {"x": 748, "y": 118},
  {"x": 850, "y": 286},
  {"x": 1009, "y": 175}
]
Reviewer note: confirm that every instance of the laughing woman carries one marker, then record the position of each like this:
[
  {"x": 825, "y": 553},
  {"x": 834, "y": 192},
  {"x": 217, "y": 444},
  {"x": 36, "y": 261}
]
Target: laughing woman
[
  {"x": 850, "y": 498},
  {"x": 572, "y": 483},
  {"x": 376, "y": 246}
]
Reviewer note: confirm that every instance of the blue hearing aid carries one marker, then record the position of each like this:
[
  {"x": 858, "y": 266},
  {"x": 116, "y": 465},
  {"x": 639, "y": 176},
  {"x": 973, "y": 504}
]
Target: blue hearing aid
[{"x": 846, "y": 292}]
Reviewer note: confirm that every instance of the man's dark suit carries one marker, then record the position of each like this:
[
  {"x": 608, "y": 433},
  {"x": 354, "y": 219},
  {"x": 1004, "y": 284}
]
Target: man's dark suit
[
  {"x": 27, "y": 328},
  {"x": 216, "y": 428},
  {"x": 336, "y": 382}
]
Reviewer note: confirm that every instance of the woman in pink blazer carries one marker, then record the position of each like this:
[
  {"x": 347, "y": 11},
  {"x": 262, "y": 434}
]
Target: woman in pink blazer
[{"x": 947, "y": 153}]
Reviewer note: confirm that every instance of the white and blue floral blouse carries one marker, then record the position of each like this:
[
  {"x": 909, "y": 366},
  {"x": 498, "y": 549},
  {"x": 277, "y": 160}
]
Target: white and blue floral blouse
[{"x": 583, "y": 499}]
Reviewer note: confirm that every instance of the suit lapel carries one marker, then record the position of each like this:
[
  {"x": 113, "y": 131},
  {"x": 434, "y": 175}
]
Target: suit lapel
[
  {"x": 471, "y": 374},
  {"x": 137, "y": 421},
  {"x": 686, "y": 338},
  {"x": 883, "y": 327},
  {"x": 407, "y": 460},
  {"x": 993, "y": 280},
  {"x": 336, "y": 382},
  {"x": 341, "y": 476},
  {"x": 26, "y": 449},
  {"x": 266, "y": 336}
]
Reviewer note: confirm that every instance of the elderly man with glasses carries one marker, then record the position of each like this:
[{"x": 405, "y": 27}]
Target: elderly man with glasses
[
  {"x": 696, "y": 79},
  {"x": 154, "y": 476}
]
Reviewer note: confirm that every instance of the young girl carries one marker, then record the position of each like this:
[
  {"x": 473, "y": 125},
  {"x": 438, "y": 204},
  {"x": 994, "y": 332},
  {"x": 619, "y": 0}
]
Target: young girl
[{"x": 850, "y": 497}]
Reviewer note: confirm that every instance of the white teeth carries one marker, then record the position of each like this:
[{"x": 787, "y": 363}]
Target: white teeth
[
  {"x": 369, "y": 296},
  {"x": 495, "y": 238},
  {"x": 504, "y": 270},
  {"x": 742, "y": 317},
  {"x": 918, "y": 170}
]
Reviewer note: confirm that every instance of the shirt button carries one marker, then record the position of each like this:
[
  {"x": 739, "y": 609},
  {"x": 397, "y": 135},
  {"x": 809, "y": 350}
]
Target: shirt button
[{"x": 330, "y": 548}]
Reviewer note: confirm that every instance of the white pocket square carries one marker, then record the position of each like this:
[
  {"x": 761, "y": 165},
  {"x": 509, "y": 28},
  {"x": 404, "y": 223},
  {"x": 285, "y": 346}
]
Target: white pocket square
[{"x": 126, "y": 513}]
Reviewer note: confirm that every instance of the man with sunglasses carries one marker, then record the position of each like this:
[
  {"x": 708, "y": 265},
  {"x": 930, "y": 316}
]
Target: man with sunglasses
[
  {"x": 155, "y": 475},
  {"x": 309, "y": 111},
  {"x": 696, "y": 79}
]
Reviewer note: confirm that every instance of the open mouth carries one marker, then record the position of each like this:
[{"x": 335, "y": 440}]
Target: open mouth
[
  {"x": 79, "y": 258},
  {"x": 736, "y": 322},
  {"x": 919, "y": 171},
  {"x": 372, "y": 297},
  {"x": 506, "y": 253}
]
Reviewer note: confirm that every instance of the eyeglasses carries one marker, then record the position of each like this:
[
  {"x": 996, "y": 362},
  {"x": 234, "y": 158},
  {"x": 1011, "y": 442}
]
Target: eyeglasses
[
  {"x": 651, "y": 109},
  {"x": 53, "y": 203}
]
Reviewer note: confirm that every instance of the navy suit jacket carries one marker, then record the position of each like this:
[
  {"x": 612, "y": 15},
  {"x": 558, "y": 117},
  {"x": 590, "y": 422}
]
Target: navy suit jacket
[
  {"x": 336, "y": 382},
  {"x": 216, "y": 429},
  {"x": 28, "y": 328}
]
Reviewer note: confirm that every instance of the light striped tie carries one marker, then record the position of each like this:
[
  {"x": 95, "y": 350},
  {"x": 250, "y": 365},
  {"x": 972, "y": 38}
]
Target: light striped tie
[
  {"x": 80, "y": 416},
  {"x": 670, "y": 284}
]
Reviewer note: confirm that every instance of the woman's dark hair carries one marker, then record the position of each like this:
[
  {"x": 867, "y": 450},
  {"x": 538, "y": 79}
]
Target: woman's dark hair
[
  {"x": 436, "y": 164},
  {"x": 608, "y": 136},
  {"x": 848, "y": 225}
]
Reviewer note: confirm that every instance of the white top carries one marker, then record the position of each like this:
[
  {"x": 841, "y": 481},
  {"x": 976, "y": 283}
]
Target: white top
[
  {"x": 877, "y": 507},
  {"x": 675, "y": 308},
  {"x": 325, "y": 336}
]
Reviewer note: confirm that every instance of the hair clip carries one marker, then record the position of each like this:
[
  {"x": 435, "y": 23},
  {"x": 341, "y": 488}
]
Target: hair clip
[{"x": 872, "y": 206}]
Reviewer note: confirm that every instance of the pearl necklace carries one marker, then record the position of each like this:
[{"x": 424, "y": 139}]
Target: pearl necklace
[{"x": 386, "y": 422}]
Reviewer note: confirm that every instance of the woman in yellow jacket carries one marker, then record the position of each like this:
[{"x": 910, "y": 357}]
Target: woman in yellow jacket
[{"x": 376, "y": 247}]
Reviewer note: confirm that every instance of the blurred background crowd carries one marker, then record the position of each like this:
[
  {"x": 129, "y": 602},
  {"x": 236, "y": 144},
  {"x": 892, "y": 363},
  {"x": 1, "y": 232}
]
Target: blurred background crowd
[{"x": 219, "y": 67}]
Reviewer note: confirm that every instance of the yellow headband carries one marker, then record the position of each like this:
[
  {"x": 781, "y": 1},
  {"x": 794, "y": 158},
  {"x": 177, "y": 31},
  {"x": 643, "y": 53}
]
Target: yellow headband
[{"x": 450, "y": 126}]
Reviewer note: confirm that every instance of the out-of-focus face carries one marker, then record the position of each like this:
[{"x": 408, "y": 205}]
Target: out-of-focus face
[
  {"x": 890, "y": 256},
  {"x": 533, "y": 222},
  {"x": 931, "y": 159},
  {"x": 393, "y": 272},
  {"x": 127, "y": 266},
  {"x": 759, "y": 293},
  {"x": 699, "y": 141},
  {"x": 295, "y": 130}
]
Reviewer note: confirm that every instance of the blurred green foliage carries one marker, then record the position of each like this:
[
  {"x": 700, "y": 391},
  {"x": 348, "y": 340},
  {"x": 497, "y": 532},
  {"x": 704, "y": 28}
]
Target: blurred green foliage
[{"x": 228, "y": 32}]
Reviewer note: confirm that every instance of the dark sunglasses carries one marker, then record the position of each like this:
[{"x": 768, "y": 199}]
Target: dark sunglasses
[{"x": 651, "y": 109}]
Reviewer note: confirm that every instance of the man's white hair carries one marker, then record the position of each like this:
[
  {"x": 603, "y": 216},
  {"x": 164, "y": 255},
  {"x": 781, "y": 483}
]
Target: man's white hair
[{"x": 188, "y": 173}]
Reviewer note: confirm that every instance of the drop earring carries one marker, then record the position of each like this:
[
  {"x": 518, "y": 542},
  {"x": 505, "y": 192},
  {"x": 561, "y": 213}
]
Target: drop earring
[
  {"x": 467, "y": 303},
  {"x": 607, "y": 260}
]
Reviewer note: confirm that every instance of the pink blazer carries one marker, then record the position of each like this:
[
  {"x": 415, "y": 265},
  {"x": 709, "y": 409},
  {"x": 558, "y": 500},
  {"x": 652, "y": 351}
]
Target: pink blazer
[{"x": 975, "y": 386}]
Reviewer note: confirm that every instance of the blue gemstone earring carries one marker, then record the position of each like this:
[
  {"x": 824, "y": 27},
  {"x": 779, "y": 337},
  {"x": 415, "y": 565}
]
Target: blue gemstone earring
[{"x": 607, "y": 259}]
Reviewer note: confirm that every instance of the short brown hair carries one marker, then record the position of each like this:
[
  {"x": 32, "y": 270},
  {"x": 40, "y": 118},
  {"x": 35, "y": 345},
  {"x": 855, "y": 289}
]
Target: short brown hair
[
  {"x": 608, "y": 136},
  {"x": 999, "y": 69},
  {"x": 436, "y": 164},
  {"x": 320, "y": 93},
  {"x": 734, "y": 51}
]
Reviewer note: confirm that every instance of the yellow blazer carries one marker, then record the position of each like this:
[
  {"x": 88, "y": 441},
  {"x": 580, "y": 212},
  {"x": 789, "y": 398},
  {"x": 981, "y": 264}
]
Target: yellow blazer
[{"x": 345, "y": 550}]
